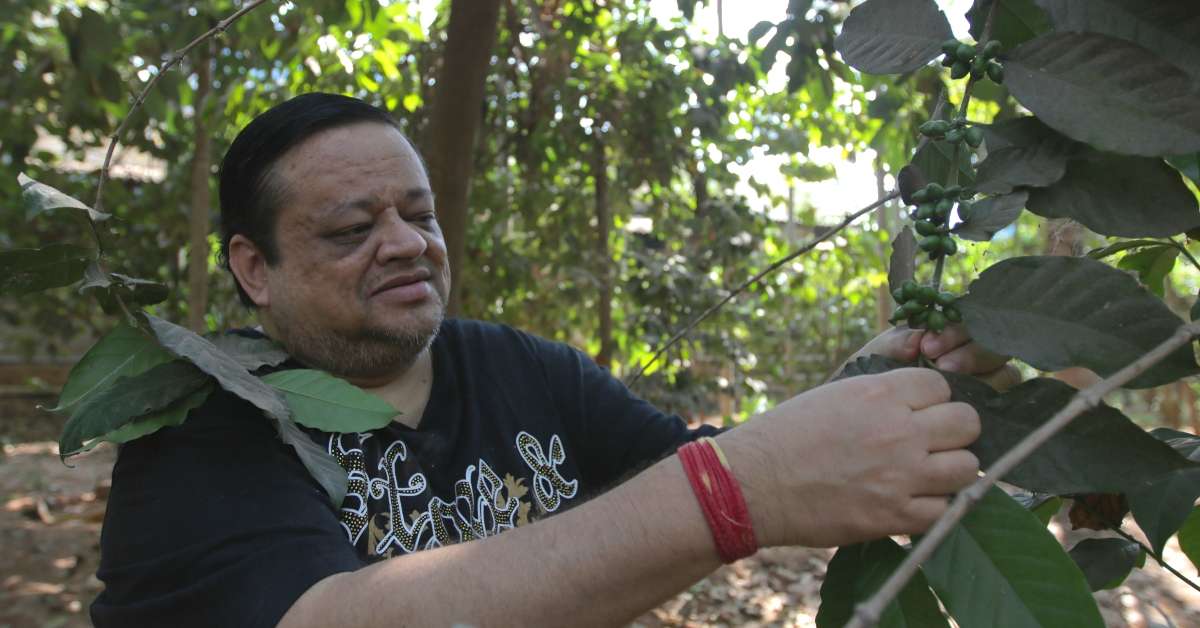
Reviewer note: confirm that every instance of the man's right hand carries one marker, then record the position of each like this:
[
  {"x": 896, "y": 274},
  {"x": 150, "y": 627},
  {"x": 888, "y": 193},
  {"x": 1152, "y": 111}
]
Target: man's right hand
[{"x": 855, "y": 460}]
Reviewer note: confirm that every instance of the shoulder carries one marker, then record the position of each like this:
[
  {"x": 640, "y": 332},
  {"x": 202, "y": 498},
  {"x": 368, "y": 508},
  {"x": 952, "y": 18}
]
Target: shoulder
[{"x": 463, "y": 334}]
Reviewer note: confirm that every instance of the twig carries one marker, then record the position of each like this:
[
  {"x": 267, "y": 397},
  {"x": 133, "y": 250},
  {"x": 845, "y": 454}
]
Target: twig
[
  {"x": 173, "y": 60},
  {"x": 1149, "y": 552},
  {"x": 749, "y": 282},
  {"x": 868, "y": 613}
]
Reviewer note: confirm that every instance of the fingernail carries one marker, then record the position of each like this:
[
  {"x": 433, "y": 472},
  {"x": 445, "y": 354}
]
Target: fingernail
[{"x": 949, "y": 365}]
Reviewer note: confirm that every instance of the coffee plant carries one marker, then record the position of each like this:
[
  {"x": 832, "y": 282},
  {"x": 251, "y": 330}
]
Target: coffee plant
[{"x": 1112, "y": 87}]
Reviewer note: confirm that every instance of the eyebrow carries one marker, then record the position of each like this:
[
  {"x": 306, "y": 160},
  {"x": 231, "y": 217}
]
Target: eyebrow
[{"x": 411, "y": 194}]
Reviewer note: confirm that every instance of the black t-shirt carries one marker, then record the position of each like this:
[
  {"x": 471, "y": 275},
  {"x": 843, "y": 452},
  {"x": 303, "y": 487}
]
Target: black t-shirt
[{"x": 218, "y": 523}]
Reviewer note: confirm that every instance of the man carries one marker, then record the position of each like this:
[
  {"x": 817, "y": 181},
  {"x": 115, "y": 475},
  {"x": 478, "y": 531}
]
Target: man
[{"x": 329, "y": 228}]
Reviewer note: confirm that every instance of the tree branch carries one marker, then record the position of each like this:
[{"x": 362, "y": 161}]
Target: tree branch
[
  {"x": 868, "y": 613},
  {"x": 770, "y": 269},
  {"x": 171, "y": 61}
]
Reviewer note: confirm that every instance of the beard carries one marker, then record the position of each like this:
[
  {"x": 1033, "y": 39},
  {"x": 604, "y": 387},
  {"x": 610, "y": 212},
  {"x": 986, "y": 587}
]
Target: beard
[{"x": 366, "y": 353}]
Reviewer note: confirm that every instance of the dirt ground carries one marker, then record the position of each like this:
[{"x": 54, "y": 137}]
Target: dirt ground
[{"x": 50, "y": 534}]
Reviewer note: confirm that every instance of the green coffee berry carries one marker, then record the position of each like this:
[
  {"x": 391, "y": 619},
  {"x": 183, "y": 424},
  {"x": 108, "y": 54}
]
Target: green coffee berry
[
  {"x": 948, "y": 61},
  {"x": 914, "y": 306},
  {"x": 945, "y": 298},
  {"x": 964, "y": 210},
  {"x": 899, "y": 314},
  {"x": 918, "y": 318},
  {"x": 926, "y": 295},
  {"x": 940, "y": 127},
  {"x": 924, "y": 227},
  {"x": 910, "y": 289},
  {"x": 927, "y": 128},
  {"x": 959, "y": 70},
  {"x": 989, "y": 51},
  {"x": 898, "y": 295},
  {"x": 944, "y": 207},
  {"x": 920, "y": 197},
  {"x": 936, "y": 322},
  {"x": 979, "y": 66},
  {"x": 952, "y": 191},
  {"x": 926, "y": 211},
  {"x": 955, "y": 136},
  {"x": 934, "y": 191},
  {"x": 950, "y": 47},
  {"x": 930, "y": 244},
  {"x": 949, "y": 245},
  {"x": 953, "y": 314},
  {"x": 965, "y": 52},
  {"x": 974, "y": 136},
  {"x": 995, "y": 72}
]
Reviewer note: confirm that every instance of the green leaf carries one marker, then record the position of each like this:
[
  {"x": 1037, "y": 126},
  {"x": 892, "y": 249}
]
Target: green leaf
[
  {"x": 1055, "y": 313},
  {"x": 759, "y": 30},
  {"x": 1123, "y": 245},
  {"x": 1105, "y": 561},
  {"x": 39, "y": 197},
  {"x": 133, "y": 292},
  {"x": 171, "y": 416},
  {"x": 1021, "y": 131},
  {"x": 1120, "y": 195},
  {"x": 1165, "y": 503},
  {"x": 123, "y": 351},
  {"x": 857, "y": 571},
  {"x": 903, "y": 262},
  {"x": 237, "y": 380},
  {"x": 1039, "y": 165},
  {"x": 1107, "y": 92},
  {"x": 910, "y": 180},
  {"x": 1017, "y": 21},
  {"x": 23, "y": 271},
  {"x": 324, "y": 402},
  {"x": 934, "y": 161},
  {"x": 129, "y": 397},
  {"x": 990, "y": 215},
  {"x": 1189, "y": 537},
  {"x": 1152, "y": 265},
  {"x": 1043, "y": 506},
  {"x": 1101, "y": 451},
  {"x": 1166, "y": 27},
  {"x": 1188, "y": 164},
  {"x": 1001, "y": 567},
  {"x": 251, "y": 353},
  {"x": 893, "y": 36}
]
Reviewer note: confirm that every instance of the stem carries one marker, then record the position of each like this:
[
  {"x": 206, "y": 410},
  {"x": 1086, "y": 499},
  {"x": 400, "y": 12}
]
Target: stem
[
  {"x": 1186, "y": 253},
  {"x": 770, "y": 269},
  {"x": 868, "y": 613},
  {"x": 171, "y": 61},
  {"x": 1149, "y": 552}
]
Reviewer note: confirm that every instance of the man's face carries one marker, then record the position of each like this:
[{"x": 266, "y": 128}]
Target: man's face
[{"x": 362, "y": 278}]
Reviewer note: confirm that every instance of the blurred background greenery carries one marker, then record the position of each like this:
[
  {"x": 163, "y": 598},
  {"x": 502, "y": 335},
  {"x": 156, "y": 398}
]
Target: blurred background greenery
[{"x": 621, "y": 165}]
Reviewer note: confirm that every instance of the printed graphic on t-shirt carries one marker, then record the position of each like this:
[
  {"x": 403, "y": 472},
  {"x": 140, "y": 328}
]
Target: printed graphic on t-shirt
[{"x": 392, "y": 507}]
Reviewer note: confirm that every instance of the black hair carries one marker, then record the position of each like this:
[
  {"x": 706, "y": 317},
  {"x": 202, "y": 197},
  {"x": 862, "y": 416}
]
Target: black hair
[{"x": 250, "y": 195}]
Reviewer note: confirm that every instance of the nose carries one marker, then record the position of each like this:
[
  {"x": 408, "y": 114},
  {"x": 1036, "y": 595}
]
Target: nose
[{"x": 399, "y": 240}]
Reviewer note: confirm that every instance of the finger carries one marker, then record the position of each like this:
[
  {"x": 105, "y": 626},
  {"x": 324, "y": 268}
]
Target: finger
[
  {"x": 920, "y": 514},
  {"x": 971, "y": 359},
  {"x": 934, "y": 346},
  {"x": 900, "y": 343},
  {"x": 918, "y": 388},
  {"x": 948, "y": 426},
  {"x": 946, "y": 472},
  {"x": 1003, "y": 378}
]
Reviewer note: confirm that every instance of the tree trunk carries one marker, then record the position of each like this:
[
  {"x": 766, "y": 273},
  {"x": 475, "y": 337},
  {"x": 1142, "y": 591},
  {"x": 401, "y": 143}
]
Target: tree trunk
[
  {"x": 603, "y": 270},
  {"x": 454, "y": 122},
  {"x": 198, "y": 214}
]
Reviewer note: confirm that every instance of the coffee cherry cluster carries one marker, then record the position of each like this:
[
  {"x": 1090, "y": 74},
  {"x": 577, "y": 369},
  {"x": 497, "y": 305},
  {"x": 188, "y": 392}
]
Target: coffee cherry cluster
[
  {"x": 924, "y": 304},
  {"x": 953, "y": 132},
  {"x": 964, "y": 59},
  {"x": 932, "y": 216}
]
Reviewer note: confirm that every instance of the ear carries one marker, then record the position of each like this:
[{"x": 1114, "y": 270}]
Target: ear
[{"x": 250, "y": 268}]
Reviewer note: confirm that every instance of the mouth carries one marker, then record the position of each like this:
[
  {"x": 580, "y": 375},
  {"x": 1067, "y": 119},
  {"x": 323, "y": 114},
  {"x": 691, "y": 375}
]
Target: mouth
[{"x": 405, "y": 286}]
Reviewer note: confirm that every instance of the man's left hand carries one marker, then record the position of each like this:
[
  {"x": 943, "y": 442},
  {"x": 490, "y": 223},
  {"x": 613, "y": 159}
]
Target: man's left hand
[{"x": 951, "y": 350}]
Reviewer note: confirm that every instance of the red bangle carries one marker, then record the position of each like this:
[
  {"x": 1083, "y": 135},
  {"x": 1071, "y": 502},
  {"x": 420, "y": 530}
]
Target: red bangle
[{"x": 720, "y": 498}]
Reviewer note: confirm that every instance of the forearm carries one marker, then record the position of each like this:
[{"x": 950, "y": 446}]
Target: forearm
[{"x": 602, "y": 563}]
